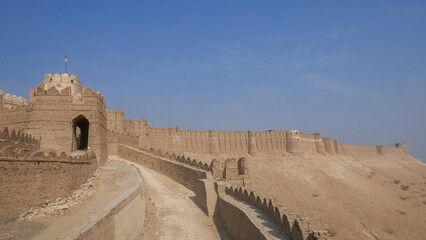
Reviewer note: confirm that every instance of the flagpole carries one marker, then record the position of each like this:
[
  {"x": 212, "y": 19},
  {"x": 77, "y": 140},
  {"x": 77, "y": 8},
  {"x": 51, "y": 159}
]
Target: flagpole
[{"x": 66, "y": 63}]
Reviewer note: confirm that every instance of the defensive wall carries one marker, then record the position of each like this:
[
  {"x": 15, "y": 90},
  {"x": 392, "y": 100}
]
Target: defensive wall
[
  {"x": 290, "y": 225},
  {"x": 173, "y": 139},
  {"x": 115, "y": 138},
  {"x": 12, "y": 101},
  {"x": 29, "y": 177},
  {"x": 190, "y": 173},
  {"x": 64, "y": 116},
  {"x": 208, "y": 182}
]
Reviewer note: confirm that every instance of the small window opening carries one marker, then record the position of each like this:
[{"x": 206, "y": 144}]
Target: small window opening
[{"x": 241, "y": 166}]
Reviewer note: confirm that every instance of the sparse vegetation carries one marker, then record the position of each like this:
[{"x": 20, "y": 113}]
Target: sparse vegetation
[
  {"x": 314, "y": 195},
  {"x": 405, "y": 187},
  {"x": 389, "y": 230},
  {"x": 371, "y": 175},
  {"x": 402, "y": 212},
  {"x": 331, "y": 232},
  {"x": 396, "y": 182}
]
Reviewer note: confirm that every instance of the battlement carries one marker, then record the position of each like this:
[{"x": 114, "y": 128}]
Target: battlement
[
  {"x": 74, "y": 93},
  {"x": 64, "y": 78},
  {"x": 18, "y": 140},
  {"x": 291, "y": 225},
  {"x": 115, "y": 111},
  {"x": 12, "y": 101},
  {"x": 61, "y": 82}
]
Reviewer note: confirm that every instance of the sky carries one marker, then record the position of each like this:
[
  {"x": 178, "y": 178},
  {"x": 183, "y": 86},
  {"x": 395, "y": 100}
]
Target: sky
[{"x": 354, "y": 71}]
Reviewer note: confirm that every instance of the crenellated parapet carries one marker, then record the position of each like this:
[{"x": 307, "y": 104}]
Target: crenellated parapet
[
  {"x": 292, "y": 226},
  {"x": 174, "y": 139},
  {"x": 11, "y": 102},
  {"x": 62, "y": 81},
  {"x": 16, "y": 145},
  {"x": 182, "y": 159},
  {"x": 67, "y": 88},
  {"x": 25, "y": 154},
  {"x": 18, "y": 139}
]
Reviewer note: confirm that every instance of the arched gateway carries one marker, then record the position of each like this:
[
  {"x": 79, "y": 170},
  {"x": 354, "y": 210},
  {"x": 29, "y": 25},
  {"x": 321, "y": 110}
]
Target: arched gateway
[{"x": 80, "y": 128}]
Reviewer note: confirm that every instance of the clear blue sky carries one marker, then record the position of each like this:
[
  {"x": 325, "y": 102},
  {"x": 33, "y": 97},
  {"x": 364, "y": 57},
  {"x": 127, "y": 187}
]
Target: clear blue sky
[{"x": 352, "y": 70}]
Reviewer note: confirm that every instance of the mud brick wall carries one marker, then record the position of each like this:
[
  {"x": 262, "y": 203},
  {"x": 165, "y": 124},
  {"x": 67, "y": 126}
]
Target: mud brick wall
[
  {"x": 26, "y": 183},
  {"x": 182, "y": 174}
]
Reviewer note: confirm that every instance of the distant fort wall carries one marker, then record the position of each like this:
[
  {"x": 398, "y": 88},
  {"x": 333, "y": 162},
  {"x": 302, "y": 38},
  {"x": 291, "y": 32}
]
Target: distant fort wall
[
  {"x": 13, "y": 111},
  {"x": 359, "y": 149},
  {"x": 12, "y": 101},
  {"x": 394, "y": 150},
  {"x": 173, "y": 139}
]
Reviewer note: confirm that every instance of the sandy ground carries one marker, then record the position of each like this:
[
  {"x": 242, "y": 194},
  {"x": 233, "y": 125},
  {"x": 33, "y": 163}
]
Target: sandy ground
[
  {"x": 353, "y": 197},
  {"x": 171, "y": 212}
]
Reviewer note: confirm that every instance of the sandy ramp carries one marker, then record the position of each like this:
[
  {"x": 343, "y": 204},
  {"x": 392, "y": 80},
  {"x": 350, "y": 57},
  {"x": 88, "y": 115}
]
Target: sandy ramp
[{"x": 172, "y": 212}]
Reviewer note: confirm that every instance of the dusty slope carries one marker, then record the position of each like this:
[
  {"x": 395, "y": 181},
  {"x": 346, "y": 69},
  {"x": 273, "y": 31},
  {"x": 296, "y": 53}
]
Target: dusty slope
[{"x": 354, "y": 197}]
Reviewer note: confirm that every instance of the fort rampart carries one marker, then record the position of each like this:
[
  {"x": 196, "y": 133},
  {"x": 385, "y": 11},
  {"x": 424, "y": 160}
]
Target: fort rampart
[
  {"x": 190, "y": 173},
  {"x": 197, "y": 176},
  {"x": 173, "y": 139},
  {"x": 239, "y": 223}
]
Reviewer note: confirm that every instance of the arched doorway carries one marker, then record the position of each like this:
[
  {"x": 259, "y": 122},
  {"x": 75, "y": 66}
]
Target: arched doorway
[{"x": 80, "y": 128}]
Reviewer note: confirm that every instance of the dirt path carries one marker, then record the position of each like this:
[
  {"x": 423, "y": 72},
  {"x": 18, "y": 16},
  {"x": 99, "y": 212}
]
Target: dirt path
[{"x": 171, "y": 212}]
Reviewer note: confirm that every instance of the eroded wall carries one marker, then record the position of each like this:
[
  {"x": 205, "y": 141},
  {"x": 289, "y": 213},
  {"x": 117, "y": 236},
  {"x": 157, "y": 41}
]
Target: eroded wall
[{"x": 29, "y": 179}]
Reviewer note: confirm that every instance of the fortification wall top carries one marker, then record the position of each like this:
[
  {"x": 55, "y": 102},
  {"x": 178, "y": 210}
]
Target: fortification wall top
[
  {"x": 12, "y": 101},
  {"x": 62, "y": 81},
  {"x": 72, "y": 93}
]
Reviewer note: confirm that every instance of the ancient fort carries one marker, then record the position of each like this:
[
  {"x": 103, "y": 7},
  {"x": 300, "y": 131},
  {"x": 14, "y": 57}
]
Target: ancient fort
[{"x": 71, "y": 169}]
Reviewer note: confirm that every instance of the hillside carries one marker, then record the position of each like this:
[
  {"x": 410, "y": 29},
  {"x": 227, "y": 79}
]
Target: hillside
[{"x": 354, "y": 197}]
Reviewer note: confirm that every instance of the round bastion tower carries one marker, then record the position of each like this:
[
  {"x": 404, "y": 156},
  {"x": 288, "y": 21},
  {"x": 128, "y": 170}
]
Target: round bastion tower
[
  {"x": 293, "y": 142},
  {"x": 62, "y": 81},
  {"x": 67, "y": 116}
]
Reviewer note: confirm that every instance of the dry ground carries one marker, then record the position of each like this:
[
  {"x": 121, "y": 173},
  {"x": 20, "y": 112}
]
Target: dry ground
[
  {"x": 171, "y": 212},
  {"x": 354, "y": 197}
]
